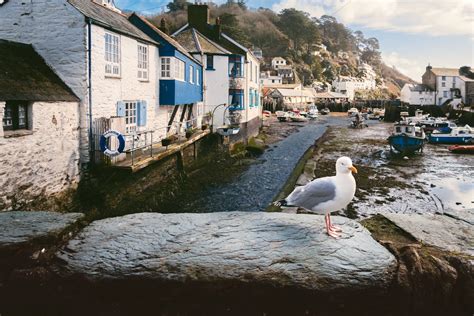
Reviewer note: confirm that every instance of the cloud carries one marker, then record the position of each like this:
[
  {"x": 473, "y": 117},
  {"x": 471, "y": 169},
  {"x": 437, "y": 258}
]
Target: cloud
[
  {"x": 429, "y": 17},
  {"x": 409, "y": 67}
]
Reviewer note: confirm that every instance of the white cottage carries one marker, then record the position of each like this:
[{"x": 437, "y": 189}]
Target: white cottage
[
  {"x": 109, "y": 63},
  {"x": 39, "y": 135},
  {"x": 417, "y": 94}
]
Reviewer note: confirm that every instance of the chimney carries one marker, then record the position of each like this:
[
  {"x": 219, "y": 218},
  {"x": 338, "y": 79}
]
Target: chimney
[
  {"x": 164, "y": 26},
  {"x": 217, "y": 28},
  {"x": 428, "y": 67},
  {"x": 198, "y": 16}
]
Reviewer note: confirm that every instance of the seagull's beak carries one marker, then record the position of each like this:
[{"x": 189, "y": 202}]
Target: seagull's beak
[{"x": 353, "y": 169}]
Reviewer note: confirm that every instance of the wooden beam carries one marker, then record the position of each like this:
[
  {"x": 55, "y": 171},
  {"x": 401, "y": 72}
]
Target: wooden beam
[{"x": 175, "y": 110}]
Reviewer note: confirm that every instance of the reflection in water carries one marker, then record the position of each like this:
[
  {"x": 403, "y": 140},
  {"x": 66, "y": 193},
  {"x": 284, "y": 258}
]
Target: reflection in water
[{"x": 454, "y": 193}]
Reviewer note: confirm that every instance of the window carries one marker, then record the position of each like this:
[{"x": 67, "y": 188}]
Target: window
[
  {"x": 443, "y": 78},
  {"x": 198, "y": 79},
  {"x": 236, "y": 99},
  {"x": 112, "y": 55},
  {"x": 179, "y": 69},
  {"x": 142, "y": 62},
  {"x": 235, "y": 66},
  {"x": 130, "y": 117},
  {"x": 165, "y": 67},
  {"x": 251, "y": 71},
  {"x": 210, "y": 62},
  {"x": 191, "y": 74},
  {"x": 443, "y": 84},
  {"x": 15, "y": 116},
  {"x": 445, "y": 94}
]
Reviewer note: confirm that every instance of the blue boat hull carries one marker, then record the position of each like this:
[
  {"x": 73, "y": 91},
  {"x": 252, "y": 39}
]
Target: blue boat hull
[
  {"x": 406, "y": 144},
  {"x": 440, "y": 139}
]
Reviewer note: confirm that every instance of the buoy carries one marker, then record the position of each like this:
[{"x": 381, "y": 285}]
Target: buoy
[{"x": 103, "y": 143}]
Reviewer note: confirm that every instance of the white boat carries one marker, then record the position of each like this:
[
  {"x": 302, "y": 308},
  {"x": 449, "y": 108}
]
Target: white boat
[
  {"x": 458, "y": 135},
  {"x": 282, "y": 116},
  {"x": 294, "y": 117},
  {"x": 352, "y": 111}
]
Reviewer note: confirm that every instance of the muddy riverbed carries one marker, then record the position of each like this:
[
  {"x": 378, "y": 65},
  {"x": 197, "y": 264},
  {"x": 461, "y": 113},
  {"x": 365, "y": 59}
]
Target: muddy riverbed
[{"x": 433, "y": 181}]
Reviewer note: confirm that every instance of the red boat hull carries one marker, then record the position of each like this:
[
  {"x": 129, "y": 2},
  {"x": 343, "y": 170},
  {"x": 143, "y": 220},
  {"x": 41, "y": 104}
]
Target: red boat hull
[{"x": 462, "y": 149}]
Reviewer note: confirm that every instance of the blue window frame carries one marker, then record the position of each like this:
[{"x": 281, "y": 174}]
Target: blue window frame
[
  {"x": 236, "y": 99},
  {"x": 236, "y": 66}
]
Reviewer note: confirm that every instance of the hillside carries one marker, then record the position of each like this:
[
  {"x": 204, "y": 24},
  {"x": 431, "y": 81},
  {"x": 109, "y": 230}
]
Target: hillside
[{"x": 319, "y": 48}]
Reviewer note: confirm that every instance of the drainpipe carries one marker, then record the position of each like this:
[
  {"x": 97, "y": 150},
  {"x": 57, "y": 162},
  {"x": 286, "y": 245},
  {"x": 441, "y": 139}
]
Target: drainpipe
[{"x": 89, "y": 77}]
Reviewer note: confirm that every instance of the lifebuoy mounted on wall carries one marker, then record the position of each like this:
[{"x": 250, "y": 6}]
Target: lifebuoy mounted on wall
[{"x": 103, "y": 143}]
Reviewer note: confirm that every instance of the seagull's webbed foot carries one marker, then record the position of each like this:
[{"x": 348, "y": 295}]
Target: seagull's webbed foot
[
  {"x": 333, "y": 234},
  {"x": 336, "y": 228}
]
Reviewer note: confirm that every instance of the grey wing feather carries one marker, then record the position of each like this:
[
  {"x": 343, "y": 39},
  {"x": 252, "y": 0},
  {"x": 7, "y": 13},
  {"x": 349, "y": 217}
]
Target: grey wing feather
[{"x": 313, "y": 194}]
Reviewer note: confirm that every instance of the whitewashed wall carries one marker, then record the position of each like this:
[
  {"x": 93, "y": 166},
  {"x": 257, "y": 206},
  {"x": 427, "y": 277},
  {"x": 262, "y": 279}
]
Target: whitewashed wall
[
  {"x": 107, "y": 91},
  {"x": 252, "y": 82},
  {"x": 45, "y": 162},
  {"x": 58, "y": 33}
]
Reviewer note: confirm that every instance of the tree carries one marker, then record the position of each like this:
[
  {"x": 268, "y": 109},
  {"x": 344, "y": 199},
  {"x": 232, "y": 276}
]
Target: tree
[
  {"x": 177, "y": 5},
  {"x": 292, "y": 23},
  {"x": 230, "y": 26}
]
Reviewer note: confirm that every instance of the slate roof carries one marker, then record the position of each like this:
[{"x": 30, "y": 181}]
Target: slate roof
[
  {"x": 25, "y": 76},
  {"x": 195, "y": 42},
  {"x": 445, "y": 71},
  {"x": 165, "y": 36},
  {"x": 110, "y": 19}
]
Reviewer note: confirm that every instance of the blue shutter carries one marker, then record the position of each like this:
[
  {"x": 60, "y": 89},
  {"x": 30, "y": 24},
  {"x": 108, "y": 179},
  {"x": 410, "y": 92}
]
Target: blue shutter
[
  {"x": 141, "y": 119},
  {"x": 120, "y": 108}
]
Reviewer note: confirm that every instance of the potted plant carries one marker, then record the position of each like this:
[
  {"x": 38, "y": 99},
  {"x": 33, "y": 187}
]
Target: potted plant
[
  {"x": 189, "y": 132},
  {"x": 168, "y": 140}
]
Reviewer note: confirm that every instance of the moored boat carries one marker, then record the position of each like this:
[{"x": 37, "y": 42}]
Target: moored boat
[
  {"x": 296, "y": 117},
  {"x": 458, "y": 135},
  {"x": 462, "y": 149},
  {"x": 282, "y": 116},
  {"x": 407, "y": 138}
]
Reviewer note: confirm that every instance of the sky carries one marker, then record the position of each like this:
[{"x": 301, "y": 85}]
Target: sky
[{"x": 412, "y": 33}]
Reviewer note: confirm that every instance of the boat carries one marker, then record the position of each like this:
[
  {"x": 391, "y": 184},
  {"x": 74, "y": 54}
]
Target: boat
[
  {"x": 296, "y": 117},
  {"x": 462, "y": 149},
  {"x": 313, "y": 112},
  {"x": 282, "y": 116},
  {"x": 352, "y": 112},
  {"x": 325, "y": 111},
  {"x": 458, "y": 135},
  {"x": 407, "y": 138}
]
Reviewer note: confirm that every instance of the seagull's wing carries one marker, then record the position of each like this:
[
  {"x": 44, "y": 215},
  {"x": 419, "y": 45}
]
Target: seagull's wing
[{"x": 313, "y": 194}]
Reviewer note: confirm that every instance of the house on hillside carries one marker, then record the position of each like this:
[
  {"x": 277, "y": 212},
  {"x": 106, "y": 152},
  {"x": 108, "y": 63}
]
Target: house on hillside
[
  {"x": 448, "y": 85},
  {"x": 39, "y": 135},
  {"x": 417, "y": 94},
  {"x": 243, "y": 72},
  {"x": 110, "y": 65},
  {"x": 180, "y": 79},
  {"x": 278, "y": 62},
  {"x": 287, "y": 73}
]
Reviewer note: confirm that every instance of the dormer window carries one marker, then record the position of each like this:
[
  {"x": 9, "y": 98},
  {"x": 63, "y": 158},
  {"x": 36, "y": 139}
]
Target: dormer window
[{"x": 110, "y": 4}]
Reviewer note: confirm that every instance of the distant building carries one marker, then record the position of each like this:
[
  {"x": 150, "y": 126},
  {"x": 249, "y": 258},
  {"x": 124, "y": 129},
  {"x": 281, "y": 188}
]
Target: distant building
[
  {"x": 257, "y": 52},
  {"x": 269, "y": 81},
  {"x": 330, "y": 97},
  {"x": 349, "y": 85},
  {"x": 417, "y": 94},
  {"x": 278, "y": 62},
  {"x": 447, "y": 83},
  {"x": 292, "y": 98},
  {"x": 287, "y": 74}
]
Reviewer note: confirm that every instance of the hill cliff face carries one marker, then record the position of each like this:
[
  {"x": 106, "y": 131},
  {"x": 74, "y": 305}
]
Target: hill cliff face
[{"x": 320, "y": 49}]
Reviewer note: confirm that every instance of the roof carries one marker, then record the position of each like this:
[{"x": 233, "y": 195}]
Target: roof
[
  {"x": 330, "y": 95},
  {"x": 445, "y": 71},
  {"x": 466, "y": 79},
  {"x": 418, "y": 87},
  {"x": 278, "y": 58},
  {"x": 293, "y": 93},
  {"x": 195, "y": 42},
  {"x": 105, "y": 17},
  {"x": 165, "y": 36},
  {"x": 25, "y": 76}
]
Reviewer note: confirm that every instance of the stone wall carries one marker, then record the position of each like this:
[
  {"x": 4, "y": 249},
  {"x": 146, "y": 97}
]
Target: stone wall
[
  {"x": 57, "y": 31},
  {"x": 44, "y": 160}
]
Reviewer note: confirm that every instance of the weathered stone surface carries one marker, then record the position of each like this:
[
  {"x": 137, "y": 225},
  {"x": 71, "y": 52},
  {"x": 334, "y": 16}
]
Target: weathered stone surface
[
  {"x": 437, "y": 230},
  {"x": 19, "y": 228},
  {"x": 260, "y": 248},
  {"x": 464, "y": 215}
]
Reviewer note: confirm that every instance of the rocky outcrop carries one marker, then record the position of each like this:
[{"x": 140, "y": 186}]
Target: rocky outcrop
[
  {"x": 21, "y": 229},
  {"x": 277, "y": 250}
]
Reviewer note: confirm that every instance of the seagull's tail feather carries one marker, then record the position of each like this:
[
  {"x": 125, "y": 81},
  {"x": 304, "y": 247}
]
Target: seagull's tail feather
[{"x": 280, "y": 203}]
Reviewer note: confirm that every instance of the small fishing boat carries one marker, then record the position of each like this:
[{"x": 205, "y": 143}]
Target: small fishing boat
[
  {"x": 296, "y": 117},
  {"x": 458, "y": 135},
  {"x": 313, "y": 112},
  {"x": 462, "y": 149},
  {"x": 282, "y": 116},
  {"x": 407, "y": 138},
  {"x": 325, "y": 111}
]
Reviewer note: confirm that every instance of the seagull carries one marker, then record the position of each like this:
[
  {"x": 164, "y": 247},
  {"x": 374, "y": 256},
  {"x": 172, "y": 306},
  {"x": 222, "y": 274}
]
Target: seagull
[{"x": 326, "y": 195}]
